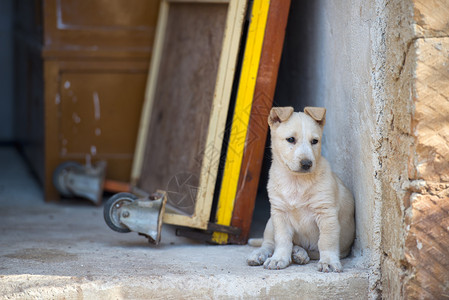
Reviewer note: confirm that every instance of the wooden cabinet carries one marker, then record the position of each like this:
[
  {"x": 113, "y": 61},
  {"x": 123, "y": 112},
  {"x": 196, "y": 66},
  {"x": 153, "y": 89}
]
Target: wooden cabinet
[
  {"x": 95, "y": 57},
  {"x": 99, "y": 28}
]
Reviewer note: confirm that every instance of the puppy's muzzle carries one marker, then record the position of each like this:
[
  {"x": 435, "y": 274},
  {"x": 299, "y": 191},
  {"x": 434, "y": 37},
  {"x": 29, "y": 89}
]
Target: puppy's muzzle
[{"x": 306, "y": 164}]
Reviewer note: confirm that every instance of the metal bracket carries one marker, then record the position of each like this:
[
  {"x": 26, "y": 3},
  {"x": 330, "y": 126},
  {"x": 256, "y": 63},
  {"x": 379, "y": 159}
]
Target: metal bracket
[
  {"x": 73, "y": 179},
  {"x": 145, "y": 216},
  {"x": 124, "y": 212}
]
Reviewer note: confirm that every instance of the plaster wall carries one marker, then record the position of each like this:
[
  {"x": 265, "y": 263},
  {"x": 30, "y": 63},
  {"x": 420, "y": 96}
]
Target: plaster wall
[{"x": 339, "y": 63}]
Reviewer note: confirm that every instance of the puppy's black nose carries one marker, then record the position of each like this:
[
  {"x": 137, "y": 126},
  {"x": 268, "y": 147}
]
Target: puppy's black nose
[{"x": 306, "y": 164}]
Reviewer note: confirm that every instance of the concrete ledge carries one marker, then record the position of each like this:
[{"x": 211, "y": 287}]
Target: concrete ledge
[
  {"x": 57, "y": 252},
  {"x": 298, "y": 286},
  {"x": 66, "y": 251}
]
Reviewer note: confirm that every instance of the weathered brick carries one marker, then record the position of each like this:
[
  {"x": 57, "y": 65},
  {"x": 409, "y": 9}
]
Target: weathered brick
[
  {"x": 431, "y": 117},
  {"x": 431, "y": 18}
]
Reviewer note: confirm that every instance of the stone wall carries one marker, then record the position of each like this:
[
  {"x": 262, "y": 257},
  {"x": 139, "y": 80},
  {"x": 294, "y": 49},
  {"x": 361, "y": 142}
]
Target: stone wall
[
  {"x": 426, "y": 250},
  {"x": 396, "y": 142},
  {"x": 414, "y": 152},
  {"x": 335, "y": 57}
]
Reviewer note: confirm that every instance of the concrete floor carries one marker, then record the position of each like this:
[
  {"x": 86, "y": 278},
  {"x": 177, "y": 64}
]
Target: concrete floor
[{"x": 66, "y": 251}]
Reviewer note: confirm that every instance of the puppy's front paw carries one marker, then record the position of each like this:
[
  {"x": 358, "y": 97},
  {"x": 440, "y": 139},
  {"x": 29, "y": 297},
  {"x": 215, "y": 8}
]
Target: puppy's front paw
[
  {"x": 299, "y": 255},
  {"x": 327, "y": 267},
  {"x": 276, "y": 263},
  {"x": 258, "y": 257},
  {"x": 329, "y": 262}
]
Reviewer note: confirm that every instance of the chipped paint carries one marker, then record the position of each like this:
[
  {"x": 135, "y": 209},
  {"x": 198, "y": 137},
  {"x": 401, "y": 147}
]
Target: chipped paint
[
  {"x": 97, "y": 131},
  {"x": 57, "y": 99},
  {"x": 67, "y": 85},
  {"x": 96, "y": 100},
  {"x": 76, "y": 118},
  {"x": 88, "y": 160},
  {"x": 93, "y": 150}
]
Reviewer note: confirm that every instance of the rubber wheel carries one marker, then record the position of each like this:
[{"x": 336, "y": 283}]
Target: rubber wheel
[
  {"x": 112, "y": 210},
  {"x": 58, "y": 177}
]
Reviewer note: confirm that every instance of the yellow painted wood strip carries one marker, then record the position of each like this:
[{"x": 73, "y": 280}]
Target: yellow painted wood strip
[{"x": 236, "y": 145}]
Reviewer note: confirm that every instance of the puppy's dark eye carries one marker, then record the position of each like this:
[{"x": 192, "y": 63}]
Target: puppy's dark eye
[
  {"x": 291, "y": 140},
  {"x": 314, "y": 141}
]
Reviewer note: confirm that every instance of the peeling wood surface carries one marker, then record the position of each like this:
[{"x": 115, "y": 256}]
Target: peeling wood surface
[
  {"x": 175, "y": 124},
  {"x": 184, "y": 97}
]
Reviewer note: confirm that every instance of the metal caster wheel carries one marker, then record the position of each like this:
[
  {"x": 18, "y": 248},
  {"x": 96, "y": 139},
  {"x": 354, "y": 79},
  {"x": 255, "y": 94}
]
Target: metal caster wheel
[
  {"x": 113, "y": 209},
  {"x": 72, "y": 179},
  {"x": 125, "y": 212},
  {"x": 60, "y": 177}
]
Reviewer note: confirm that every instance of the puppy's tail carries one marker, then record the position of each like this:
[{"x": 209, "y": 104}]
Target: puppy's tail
[{"x": 255, "y": 242}]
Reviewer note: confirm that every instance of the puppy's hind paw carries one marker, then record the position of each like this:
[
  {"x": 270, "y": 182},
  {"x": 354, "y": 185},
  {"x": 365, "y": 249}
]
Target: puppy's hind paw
[
  {"x": 258, "y": 257},
  {"x": 299, "y": 255},
  {"x": 330, "y": 267},
  {"x": 276, "y": 263}
]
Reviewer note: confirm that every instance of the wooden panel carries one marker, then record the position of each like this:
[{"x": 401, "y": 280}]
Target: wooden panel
[
  {"x": 258, "y": 126},
  {"x": 185, "y": 94},
  {"x": 104, "y": 15},
  {"x": 99, "y": 27},
  {"x": 97, "y": 115},
  {"x": 206, "y": 141},
  {"x": 242, "y": 110},
  {"x": 93, "y": 109}
]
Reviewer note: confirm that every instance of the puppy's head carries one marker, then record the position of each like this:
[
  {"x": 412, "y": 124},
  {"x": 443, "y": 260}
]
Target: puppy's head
[{"x": 296, "y": 137}]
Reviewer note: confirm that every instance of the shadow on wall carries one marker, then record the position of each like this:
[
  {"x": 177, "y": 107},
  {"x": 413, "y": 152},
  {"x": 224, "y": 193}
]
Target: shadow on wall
[
  {"x": 6, "y": 71},
  {"x": 297, "y": 85}
]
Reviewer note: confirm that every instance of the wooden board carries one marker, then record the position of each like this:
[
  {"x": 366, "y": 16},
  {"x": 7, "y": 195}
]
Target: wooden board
[
  {"x": 107, "y": 28},
  {"x": 241, "y": 116},
  {"x": 186, "y": 104},
  {"x": 248, "y": 179}
]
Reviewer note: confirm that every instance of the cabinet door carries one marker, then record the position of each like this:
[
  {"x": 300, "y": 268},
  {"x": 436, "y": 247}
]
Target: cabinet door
[
  {"x": 92, "y": 28},
  {"x": 93, "y": 112}
]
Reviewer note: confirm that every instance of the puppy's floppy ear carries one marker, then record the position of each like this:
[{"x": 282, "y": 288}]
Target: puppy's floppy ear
[
  {"x": 279, "y": 115},
  {"x": 316, "y": 113}
]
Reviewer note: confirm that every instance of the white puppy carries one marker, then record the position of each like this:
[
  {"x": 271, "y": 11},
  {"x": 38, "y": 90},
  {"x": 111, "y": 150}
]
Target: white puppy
[{"x": 312, "y": 212}]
